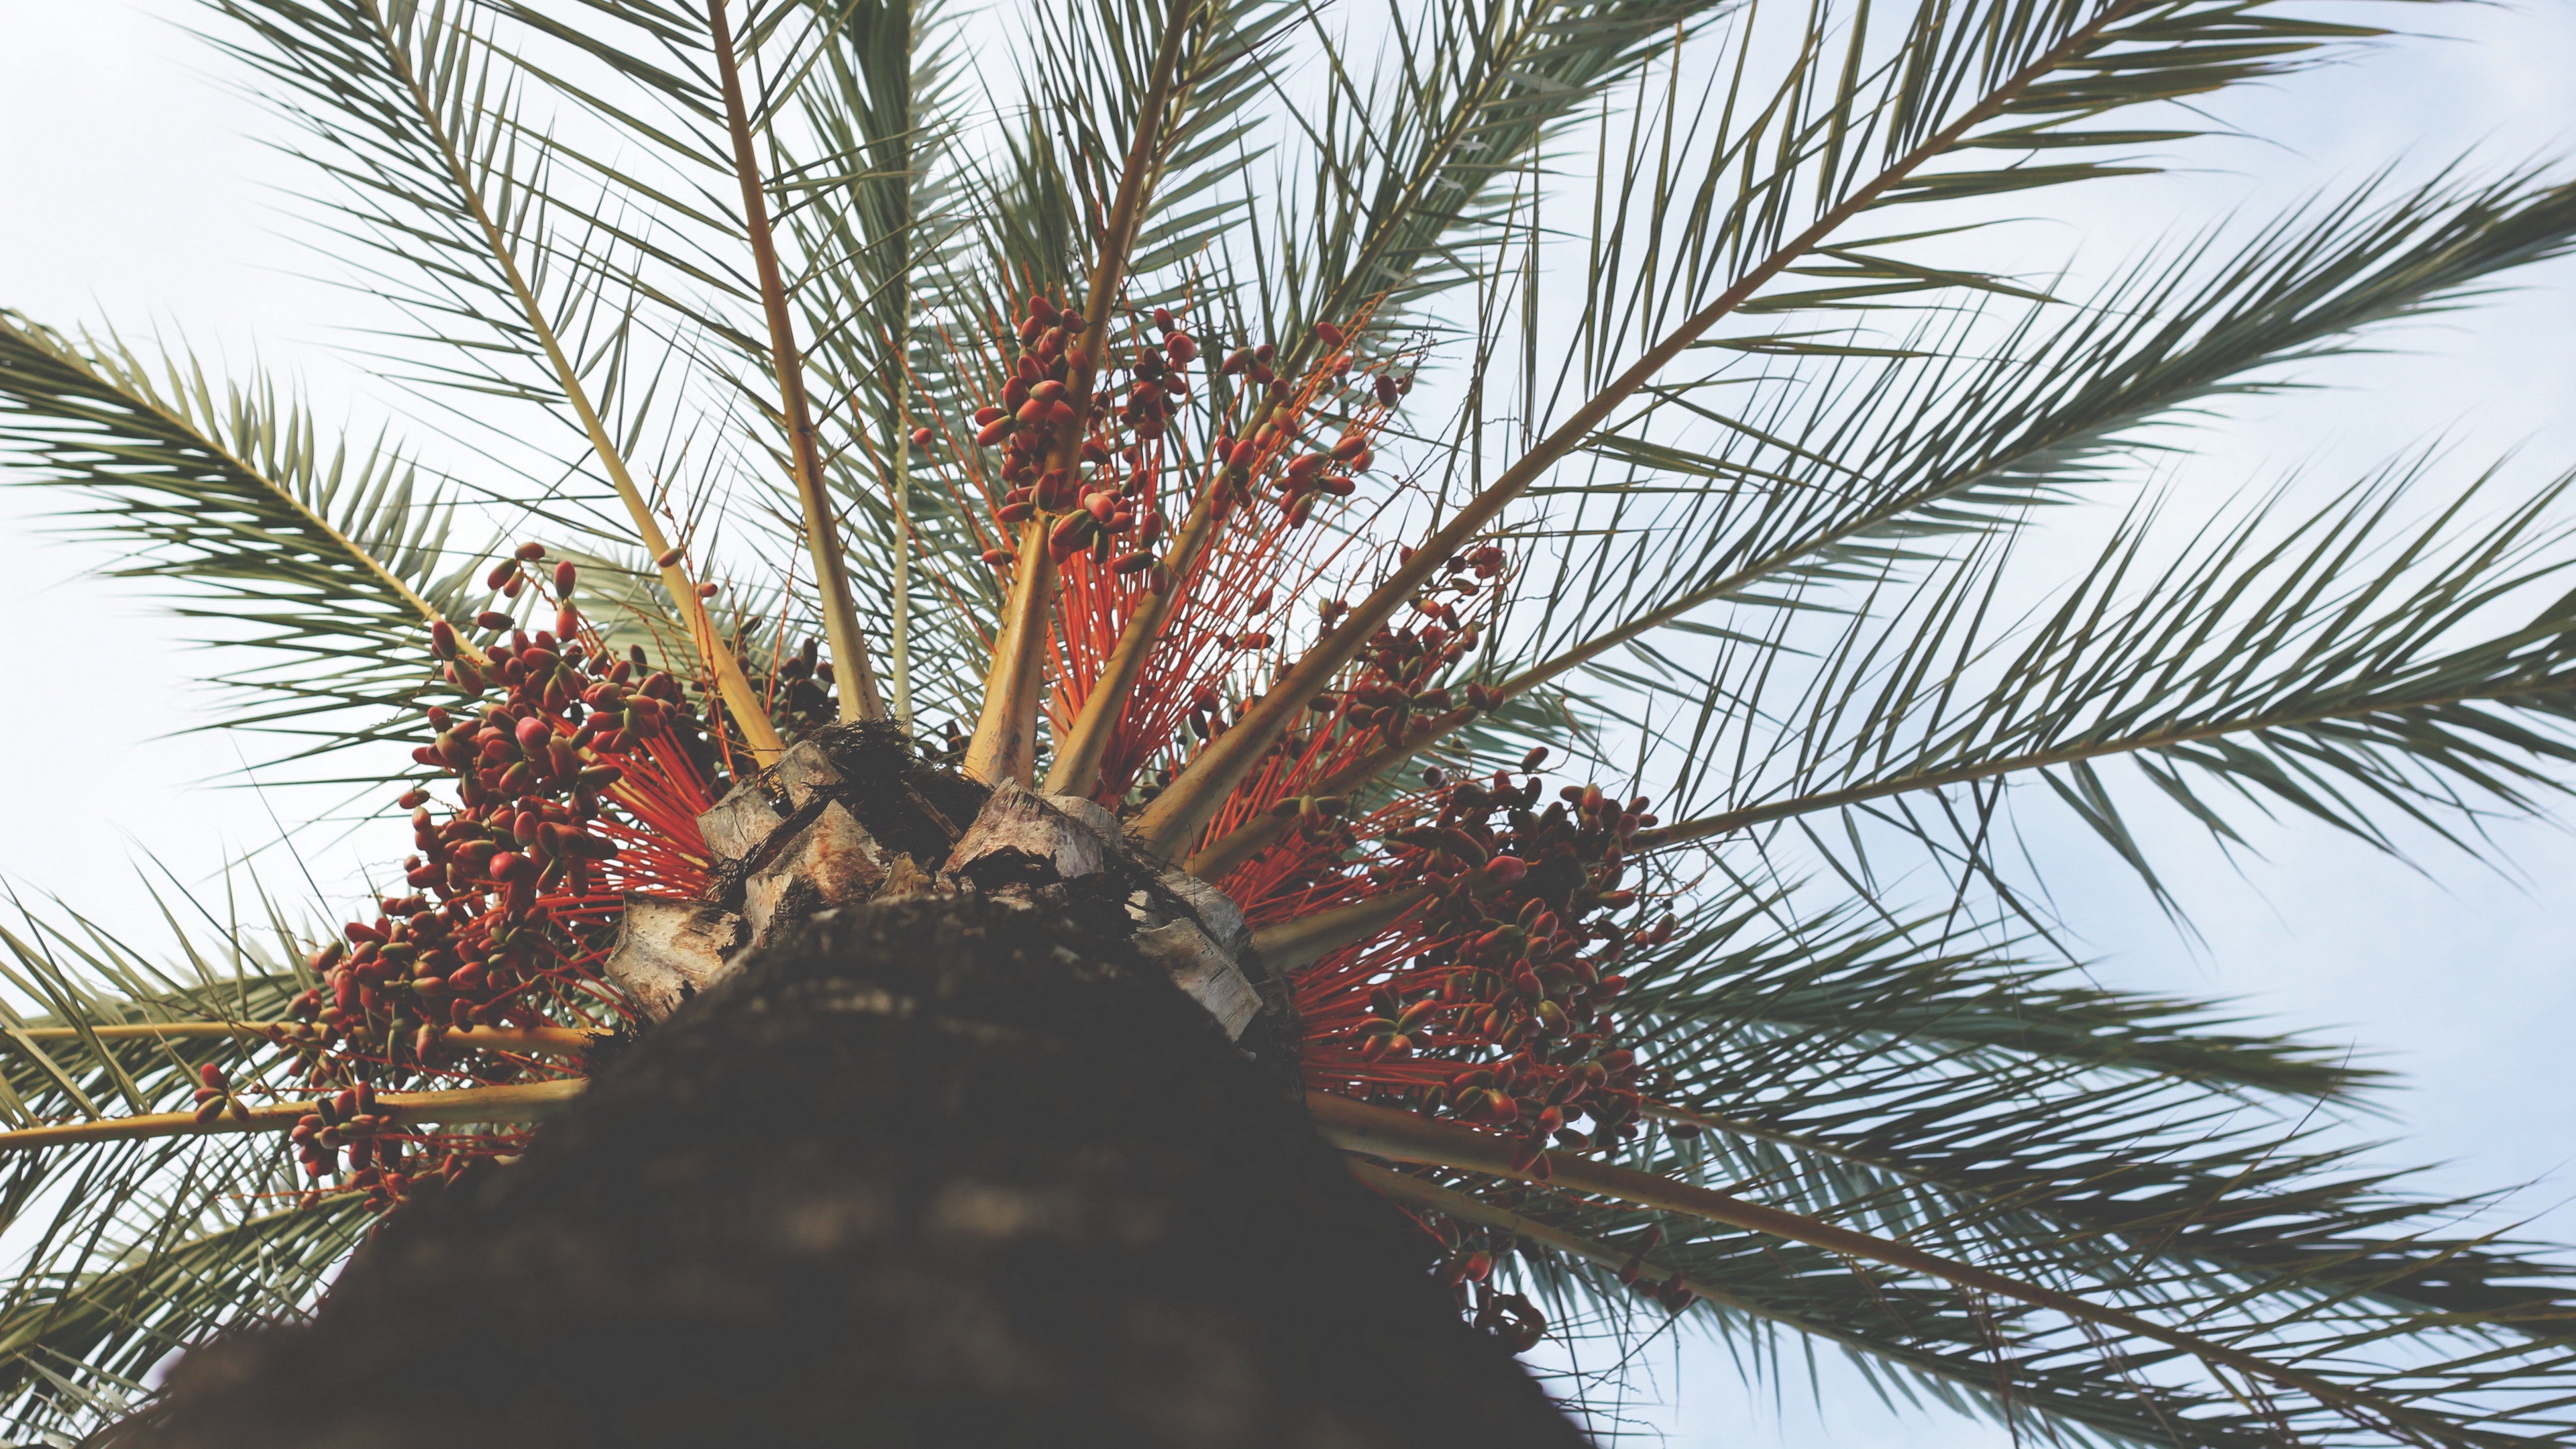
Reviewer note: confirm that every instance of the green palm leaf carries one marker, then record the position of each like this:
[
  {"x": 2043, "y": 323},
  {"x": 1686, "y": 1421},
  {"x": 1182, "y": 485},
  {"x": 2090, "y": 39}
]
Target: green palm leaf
[
  {"x": 2288, "y": 669},
  {"x": 1886, "y": 477},
  {"x": 75, "y": 1339},
  {"x": 331, "y": 560}
]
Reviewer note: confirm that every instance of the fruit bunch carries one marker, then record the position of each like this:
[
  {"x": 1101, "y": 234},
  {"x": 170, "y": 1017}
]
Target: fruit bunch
[
  {"x": 1399, "y": 676},
  {"x": 1399, "y": 681},
  {"x": 1303, "y": 430},
  {"x": 802, "y": 699},
  {"x": 578, "y": 777},
  {"x": 1469, "y": 1255},
  {"x": 1493, "y": 1005},
  {"x": 386, "y": 1164},
  {"x": 1094, "y": 498}
]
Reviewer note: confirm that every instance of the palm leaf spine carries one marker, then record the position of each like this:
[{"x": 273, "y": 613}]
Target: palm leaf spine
[
  {"x": 143, "y": 402},
  {"x": 498, "y": 1038},
  {"x": 858, "y": 689},
  {"x": 511, "y": 1102}
]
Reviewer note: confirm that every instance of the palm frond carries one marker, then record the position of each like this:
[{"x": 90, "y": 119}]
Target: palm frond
[
  {"x": 1839, "y": 477},
  {"x": 1848, "y": 1073},
  {"x": 1838, "y": 474},
  {"x": 880, "y": 103},
  {"x": 331, "y": 560},
  {"x": 1970, "y": 1353},
  {"x": 1755, "y": 969},
  {"x": 80, "y": 1330},
  {"x": 2342, "y": 668},
  {"x": 133, "y": 1250},
  {"x": 1419, "y": 152},
  {"x": 412, "y": 117},
  {"x": 1088, "y": 76},
  {"x": 2022, "y": 60}
]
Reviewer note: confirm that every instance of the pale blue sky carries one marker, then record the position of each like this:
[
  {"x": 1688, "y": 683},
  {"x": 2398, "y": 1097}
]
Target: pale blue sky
[{"x": 130, "y": 191}]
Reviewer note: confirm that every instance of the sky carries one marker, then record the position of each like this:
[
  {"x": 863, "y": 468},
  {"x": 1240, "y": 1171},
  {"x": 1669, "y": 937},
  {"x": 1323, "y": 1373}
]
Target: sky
[{"x": 135, "y": 192}]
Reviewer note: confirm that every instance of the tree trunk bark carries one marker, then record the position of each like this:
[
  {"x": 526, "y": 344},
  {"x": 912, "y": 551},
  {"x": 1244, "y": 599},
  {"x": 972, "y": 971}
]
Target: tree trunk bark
[{"x": 940, "y": 1171}]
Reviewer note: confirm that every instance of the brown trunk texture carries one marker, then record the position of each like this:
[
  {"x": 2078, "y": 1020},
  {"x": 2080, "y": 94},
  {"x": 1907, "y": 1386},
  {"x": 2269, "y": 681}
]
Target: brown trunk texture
[{"x": 940, "y": 1171}]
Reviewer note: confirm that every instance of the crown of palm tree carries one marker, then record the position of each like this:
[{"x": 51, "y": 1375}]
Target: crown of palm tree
[{"x": 1291, "y": 434}]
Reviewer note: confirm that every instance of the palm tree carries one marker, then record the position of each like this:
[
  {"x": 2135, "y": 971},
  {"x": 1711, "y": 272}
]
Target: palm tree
[{"x": 1252, "y": 503}]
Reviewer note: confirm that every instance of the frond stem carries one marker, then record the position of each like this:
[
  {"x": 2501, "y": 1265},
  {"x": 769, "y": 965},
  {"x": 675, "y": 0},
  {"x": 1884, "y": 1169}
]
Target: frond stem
[
  {"x": 516, "y": 1102},
  {"x": 1294, "y": 944},
  {"x": 1005, "y": 743},
  {"x": 1422, "y": 1196},
  {"x": 858, "y": 684},
  {"x": 555, "y": 1040},
  {"x": 899, "y": 640},
  {"x": 739, "y": 697}
]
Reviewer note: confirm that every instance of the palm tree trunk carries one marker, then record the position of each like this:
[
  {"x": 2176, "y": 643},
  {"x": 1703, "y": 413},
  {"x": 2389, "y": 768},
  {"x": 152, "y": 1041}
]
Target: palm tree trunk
[{"x": 940, "y": 1170}]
